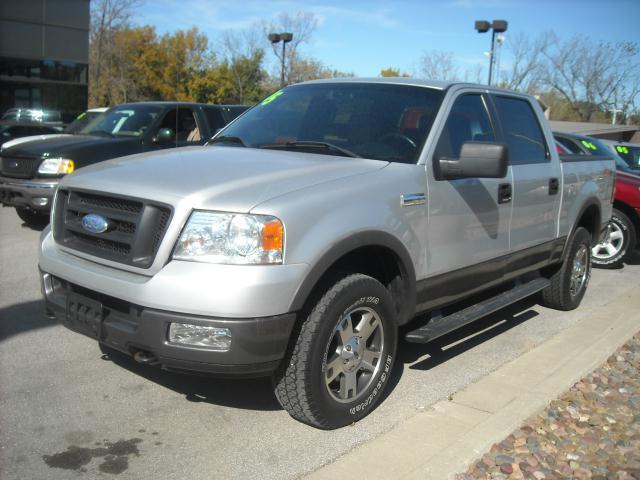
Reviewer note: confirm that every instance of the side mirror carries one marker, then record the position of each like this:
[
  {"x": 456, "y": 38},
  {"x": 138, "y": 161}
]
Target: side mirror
[
  {"x": 165, "y": 135},
  {"x": 477, "y": 160}
]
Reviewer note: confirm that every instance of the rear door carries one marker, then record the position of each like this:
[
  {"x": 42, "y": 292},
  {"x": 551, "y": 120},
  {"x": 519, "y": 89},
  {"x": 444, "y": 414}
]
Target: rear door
[{"x": 536, "y": 179}]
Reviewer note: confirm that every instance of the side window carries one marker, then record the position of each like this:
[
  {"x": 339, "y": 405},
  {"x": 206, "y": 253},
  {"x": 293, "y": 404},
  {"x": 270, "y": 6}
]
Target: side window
[
  {"x": 522, "y": 131},
  {"x": 570, "y": 145},
  {"x": 468, "y": 121},
  {"x": 187, "y": 128},
  {"x": 214, "y": 118},
  {"x": 169, "y": 121}
]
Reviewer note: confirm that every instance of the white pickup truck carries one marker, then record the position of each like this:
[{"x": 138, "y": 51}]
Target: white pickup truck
[{"x": 318, "y": 223}]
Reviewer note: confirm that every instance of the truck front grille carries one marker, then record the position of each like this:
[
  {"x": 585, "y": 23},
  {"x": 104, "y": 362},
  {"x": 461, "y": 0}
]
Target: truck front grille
[
  {"x": 18, "y": 167},
  {"x": 136, "y": 227}
]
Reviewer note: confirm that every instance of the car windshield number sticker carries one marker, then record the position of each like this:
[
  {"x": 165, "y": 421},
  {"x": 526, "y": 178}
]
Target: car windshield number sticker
[{"x": 272, "y": 97}]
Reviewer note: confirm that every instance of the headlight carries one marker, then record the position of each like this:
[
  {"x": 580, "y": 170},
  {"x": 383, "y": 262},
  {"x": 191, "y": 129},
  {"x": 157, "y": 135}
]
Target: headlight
[
  {"x": 231, "y": 238},
  {"x": 56, "y": 166}
]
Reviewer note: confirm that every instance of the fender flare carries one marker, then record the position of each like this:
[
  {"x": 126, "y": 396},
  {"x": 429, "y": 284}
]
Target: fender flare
[
  {"x": 371, "y": 238},
  {"x": 590, "y": 202}
]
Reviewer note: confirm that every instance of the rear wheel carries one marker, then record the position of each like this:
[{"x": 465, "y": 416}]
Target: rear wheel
[
  {"x": 32, "y": 218},
  {"x": 569, "y": 282},
  {"x": 618, "y": 244},
  {"x": 342, "y": 357}
]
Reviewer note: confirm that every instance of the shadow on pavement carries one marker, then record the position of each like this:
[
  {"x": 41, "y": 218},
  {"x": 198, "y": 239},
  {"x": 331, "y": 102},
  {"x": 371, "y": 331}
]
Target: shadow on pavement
[
  {"x": 247, "y": 393},
  {"x": 464, "y": 339},
  {"x": 22, "y": 317}
]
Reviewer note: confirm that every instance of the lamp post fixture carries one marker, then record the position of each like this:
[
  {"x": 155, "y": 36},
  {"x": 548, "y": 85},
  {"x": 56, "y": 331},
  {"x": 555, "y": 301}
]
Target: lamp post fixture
[
  {"x": 498, "y": 26},
  {"x": 285, "y": 38}
]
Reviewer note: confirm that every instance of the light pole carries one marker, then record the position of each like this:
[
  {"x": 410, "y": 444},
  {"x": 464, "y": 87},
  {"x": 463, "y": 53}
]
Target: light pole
[
  {"x": 498, "y": 26},
  {"x": 285, "y": 38}
]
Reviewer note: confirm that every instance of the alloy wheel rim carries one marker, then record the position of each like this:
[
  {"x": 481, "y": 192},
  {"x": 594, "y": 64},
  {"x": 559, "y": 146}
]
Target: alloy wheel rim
[
  {"x": 353, "y": 355},
  {"x": 579, "y": 270},
  {"x": 611, "y": 245}
]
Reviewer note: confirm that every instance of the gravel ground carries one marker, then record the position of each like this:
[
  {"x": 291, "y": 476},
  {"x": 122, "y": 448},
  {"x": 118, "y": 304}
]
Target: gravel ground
[{"x": 591, "y": 432}]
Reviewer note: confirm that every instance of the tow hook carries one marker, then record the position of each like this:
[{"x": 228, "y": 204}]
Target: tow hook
[{"x": 146, "y": 358}]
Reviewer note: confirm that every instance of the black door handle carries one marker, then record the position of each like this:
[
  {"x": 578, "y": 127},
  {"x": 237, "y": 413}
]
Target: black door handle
[
  {"x": 554, "y": 185},
  {"x": 504, "y": 193}
]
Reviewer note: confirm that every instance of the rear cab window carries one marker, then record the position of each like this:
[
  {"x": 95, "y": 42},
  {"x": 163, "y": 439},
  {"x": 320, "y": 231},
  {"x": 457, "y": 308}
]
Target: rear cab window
[{"x": 522, "y": 131}]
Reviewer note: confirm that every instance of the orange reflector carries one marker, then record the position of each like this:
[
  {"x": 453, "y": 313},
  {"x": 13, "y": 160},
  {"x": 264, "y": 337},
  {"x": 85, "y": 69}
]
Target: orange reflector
[{"x": 272, "y": 234}]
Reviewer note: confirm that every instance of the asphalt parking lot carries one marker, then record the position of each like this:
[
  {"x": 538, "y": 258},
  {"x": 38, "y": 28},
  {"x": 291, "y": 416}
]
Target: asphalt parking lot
[{"x": 68, "y": 411}]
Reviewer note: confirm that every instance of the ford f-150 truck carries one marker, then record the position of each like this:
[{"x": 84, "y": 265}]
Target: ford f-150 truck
[
  {"x": 330, "y": 214},
  {"x": 29, "y": 172}
]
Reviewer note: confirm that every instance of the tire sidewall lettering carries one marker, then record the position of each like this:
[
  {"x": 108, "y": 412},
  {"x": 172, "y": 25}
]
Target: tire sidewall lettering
[{"x": 361, "y": 407}]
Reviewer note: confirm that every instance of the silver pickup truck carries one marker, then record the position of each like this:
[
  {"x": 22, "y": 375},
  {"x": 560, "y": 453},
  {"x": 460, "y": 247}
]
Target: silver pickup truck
[{"x": 315, "y": 226}]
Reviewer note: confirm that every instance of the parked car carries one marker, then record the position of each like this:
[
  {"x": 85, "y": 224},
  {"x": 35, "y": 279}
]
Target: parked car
[
  {"x": 624, "y": 230},
  {"x": 49, "y": 132},
  {"x": 14, "y": 131},
  {"x": 332, "y": 213},
  {"x": 629, "y": 152},
  {"x": 32, "y": 115},
  {"x": 30, "y": 172}
]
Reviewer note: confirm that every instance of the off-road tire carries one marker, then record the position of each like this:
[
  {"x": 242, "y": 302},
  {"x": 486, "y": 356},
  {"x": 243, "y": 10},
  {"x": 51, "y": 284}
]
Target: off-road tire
[
  {"x": 558, "y": 294},
  {"x": 32, "y": 218},
  {"x": 629, "y": 238},
  {"x": 300, "y": 384}
]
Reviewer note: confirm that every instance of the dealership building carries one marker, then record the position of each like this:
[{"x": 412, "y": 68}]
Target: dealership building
[{"x": 44, "y": 55}]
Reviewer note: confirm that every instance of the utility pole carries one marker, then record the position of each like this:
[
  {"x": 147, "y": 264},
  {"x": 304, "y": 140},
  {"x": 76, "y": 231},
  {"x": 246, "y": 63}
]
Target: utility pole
[{"x": 498, "y": 26}]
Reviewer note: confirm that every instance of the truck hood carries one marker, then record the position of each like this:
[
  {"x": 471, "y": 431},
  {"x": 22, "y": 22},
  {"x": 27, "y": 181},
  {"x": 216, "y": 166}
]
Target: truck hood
[
  {"x": 63, "y": 145},
  {"x": 221, "y": 178},
  {"x": 32, "y": 138}
]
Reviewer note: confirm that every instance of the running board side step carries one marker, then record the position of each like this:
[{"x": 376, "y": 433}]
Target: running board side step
[{"x": 441, "y": 326}]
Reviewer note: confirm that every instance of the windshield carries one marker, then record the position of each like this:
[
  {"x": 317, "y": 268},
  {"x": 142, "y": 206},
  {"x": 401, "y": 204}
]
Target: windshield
[
  {"x": 378, "y": 121},
  {"x": 630, "y": 154},
  {"x": 124, "y": 121},
  {"x": 82, "y": 121}
]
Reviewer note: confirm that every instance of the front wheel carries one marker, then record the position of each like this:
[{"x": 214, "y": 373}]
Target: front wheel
[
  {"x": 342, "y": 357},
  {"x": 618, "y": 244}
]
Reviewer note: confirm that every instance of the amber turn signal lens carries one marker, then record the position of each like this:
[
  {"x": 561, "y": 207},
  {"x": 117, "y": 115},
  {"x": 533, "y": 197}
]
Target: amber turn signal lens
[{"x": 272, "y": 235}]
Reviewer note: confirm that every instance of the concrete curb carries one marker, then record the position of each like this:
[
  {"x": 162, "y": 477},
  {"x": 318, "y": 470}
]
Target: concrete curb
[{"x": 445, "y": 438}]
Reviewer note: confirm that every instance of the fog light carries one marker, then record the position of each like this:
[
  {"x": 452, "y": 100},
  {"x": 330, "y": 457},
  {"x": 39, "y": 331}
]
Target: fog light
[
  {"x": 200, "y": 336},
  {"x": 40, "y": 201}
]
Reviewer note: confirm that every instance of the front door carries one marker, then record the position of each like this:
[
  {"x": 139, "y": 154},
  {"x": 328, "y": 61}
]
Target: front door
[{"x": 467, "y": 225}]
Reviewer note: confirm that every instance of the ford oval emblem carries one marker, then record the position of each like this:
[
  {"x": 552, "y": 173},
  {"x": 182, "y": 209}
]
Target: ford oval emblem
[{"x": 94, "y": 223}]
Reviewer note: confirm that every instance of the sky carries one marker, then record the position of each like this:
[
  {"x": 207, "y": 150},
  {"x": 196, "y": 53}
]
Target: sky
[{"x": 364, "y": 36}]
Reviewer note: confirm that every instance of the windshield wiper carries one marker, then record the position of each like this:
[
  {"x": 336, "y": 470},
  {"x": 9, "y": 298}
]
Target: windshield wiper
[
  {"x": 303, "y": 144},
  {"x": 227, "y": 139}
]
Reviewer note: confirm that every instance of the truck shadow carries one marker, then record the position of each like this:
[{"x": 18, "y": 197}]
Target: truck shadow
[
  {"x": 23, "y": 317},
  {"x": 459, "y": 341},
  {"x": 257, "y": 393},
  {"x": 242, "y": 393}
]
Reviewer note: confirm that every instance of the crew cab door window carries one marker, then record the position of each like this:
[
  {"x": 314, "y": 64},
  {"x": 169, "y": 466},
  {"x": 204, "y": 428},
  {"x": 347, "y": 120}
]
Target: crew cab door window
[
  {"x": 536, "y": 206},
  {"x": 522, "y": 131}
]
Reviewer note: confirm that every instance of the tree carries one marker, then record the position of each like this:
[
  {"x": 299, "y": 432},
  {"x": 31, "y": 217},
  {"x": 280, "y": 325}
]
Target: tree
[
  {"x": 526, "y": 70},
  {"x": 438, "y": 65},
  {"x": 592, "y": 76},
  {"x": 392, "y": 72},
  {"x": 243, "y": 59},
  {"x": 107, "y": 16}
]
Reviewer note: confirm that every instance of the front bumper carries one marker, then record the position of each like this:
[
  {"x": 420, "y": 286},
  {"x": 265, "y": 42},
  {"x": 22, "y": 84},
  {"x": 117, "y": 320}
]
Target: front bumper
[
  {"x": 257, "y": 344},
  {"x": 36, "y": 194}
]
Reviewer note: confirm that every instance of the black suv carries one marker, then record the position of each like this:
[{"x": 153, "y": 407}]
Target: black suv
[{"x": 29, "y": 172}]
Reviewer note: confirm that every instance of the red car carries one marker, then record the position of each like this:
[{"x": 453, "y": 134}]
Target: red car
[{"x": 624, "y": 228}]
